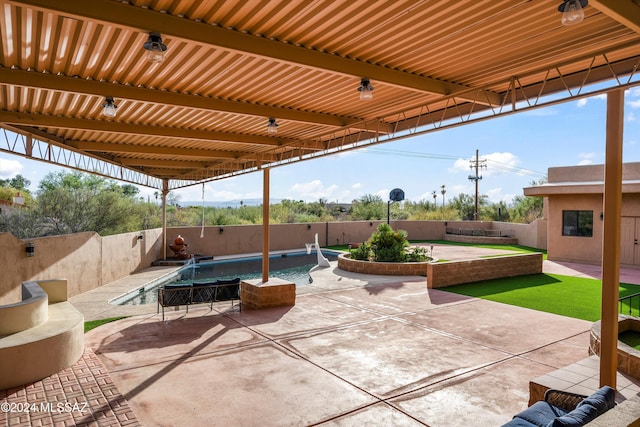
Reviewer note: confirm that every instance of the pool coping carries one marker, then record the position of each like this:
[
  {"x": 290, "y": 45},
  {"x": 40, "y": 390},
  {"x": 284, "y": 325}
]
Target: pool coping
[
  {"x": 94, "y": 304},
  {"x": 169, "y": 277}
]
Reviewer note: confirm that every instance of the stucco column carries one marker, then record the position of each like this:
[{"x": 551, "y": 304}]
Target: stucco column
[
  {"x": 165, "y": 192},
  {"x": 265, "y": 225},
  {"x": 611, "y": 238}
]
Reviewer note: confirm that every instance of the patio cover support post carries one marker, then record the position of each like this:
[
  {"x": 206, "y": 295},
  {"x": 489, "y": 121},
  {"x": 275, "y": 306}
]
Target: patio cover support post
[
  {"x": 611, "y": 238},
  {"x": 165, "y": 192},
  {"x": 265, "y": 225}
]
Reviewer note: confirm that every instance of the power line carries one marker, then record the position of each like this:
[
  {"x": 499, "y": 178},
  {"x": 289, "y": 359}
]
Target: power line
[{"x": 495, "y": 164}]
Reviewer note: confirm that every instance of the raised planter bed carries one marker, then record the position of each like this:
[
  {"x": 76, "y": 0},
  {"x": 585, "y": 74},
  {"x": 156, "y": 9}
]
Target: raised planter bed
[
  {"x": 382, "y": 268},
  {"x": 628, "y": 357}
]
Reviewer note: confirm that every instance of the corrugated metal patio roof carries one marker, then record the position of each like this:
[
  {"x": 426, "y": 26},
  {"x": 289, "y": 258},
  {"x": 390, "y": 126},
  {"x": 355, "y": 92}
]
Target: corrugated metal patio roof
[{"x": 229, "y": 66}]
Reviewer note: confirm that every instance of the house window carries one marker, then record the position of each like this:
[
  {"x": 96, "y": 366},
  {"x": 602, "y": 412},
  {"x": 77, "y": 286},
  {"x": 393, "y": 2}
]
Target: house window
[{"x": 577, "y": 223}]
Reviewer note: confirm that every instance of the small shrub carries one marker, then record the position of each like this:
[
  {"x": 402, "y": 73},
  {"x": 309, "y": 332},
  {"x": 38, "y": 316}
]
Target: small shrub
[
  {"x": 417, "y": 254},
  {"x": 361, "y": 253},
  {"x": 388, "y": 245}
]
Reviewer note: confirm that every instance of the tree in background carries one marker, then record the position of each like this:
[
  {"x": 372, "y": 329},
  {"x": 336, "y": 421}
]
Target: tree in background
[
  {"x": 368, "y": 207},
  {"x": 527, "y": 209},
  {"x": 464, "y": 204},
  {"x": 75, "y": 202},
  {"x": 18, "y": 185},
  {"x": 22, "y": 223},
  {"x": 495, "y": 212},
  {"x": 71, "y": 202}
]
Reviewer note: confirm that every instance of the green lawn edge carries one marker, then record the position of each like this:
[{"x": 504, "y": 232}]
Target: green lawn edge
[
  {"x": 92, "y": 324},
  {"x": 570, "y": 296}
]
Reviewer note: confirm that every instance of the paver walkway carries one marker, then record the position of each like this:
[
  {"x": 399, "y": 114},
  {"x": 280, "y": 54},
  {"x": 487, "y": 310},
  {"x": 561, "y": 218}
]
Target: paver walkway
[{"x": 83, "y": 394}]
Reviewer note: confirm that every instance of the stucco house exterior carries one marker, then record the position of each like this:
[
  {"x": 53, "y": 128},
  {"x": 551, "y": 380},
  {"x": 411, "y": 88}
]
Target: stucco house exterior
[{"x": 574, "y": 212}]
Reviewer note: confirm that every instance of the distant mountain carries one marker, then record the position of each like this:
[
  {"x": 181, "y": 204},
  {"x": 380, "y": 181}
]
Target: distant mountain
[{"x": 228, "y": 203}]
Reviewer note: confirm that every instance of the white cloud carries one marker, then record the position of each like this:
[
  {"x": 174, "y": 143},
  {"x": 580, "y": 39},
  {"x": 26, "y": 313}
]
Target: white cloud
[
  {"x": 496, "y": 195},
  {"x": 384, "y": 193},
  {"x": 218, "y": 191},
  {"x": 428, "y": 196},
  {"x": 583, "y": 101},
  {"x": 311, "y": 191},
  {"x": 460, "y": 165},
  {"x": 586, "y": 158},
  {"x": 634, "y": 91},
  {"x": 496, "y": 164},
  {"x": 357, "y": 186},
  {"x": 634, "y": 104},
  {"x": 500, "y": 163},
  {"x": 10, "y": 168}
]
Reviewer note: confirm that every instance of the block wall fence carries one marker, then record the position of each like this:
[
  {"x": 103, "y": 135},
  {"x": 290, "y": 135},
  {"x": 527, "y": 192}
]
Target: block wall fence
[{"x": 88, "y": 260}]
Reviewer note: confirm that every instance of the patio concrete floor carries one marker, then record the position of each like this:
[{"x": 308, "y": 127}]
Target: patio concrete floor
[{"x": 354, "y": 350}]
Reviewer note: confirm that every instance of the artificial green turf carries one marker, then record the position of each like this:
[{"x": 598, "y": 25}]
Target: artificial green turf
[
  {"x": 343, "y": 248},
  {"x": 516, "y": 248},
  {"x": 553, "y": 293},
  {"x": 630, "y": 338},
  {"x": 90, "y": 324}
]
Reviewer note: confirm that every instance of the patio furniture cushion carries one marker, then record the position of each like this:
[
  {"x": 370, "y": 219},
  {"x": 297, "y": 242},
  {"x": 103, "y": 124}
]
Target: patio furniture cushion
[
  {"x": 539, "y": 414},
  {"x": 603, "y": 399},
  {"x": 546, "y": 414},
  {"x": 227, "y": 290},
  {"x": 587, "y": 410}
]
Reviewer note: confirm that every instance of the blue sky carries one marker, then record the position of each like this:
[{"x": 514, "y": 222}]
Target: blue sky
[{"x": 518, "y": 148}]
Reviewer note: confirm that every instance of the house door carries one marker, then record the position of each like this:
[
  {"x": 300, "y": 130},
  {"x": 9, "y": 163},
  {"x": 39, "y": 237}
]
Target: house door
[{"x": 630, "y": 240}]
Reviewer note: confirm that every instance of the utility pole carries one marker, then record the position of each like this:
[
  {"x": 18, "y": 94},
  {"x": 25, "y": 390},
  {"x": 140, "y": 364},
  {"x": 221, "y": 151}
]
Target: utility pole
[{"x": 477, "y": 164}]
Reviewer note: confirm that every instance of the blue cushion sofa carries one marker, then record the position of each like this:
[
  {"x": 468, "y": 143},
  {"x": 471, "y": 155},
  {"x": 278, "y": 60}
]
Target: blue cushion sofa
[{"x": 562, "y": 409}]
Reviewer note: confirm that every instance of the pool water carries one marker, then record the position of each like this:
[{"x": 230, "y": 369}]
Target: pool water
[{"x": 294, "y": 267}]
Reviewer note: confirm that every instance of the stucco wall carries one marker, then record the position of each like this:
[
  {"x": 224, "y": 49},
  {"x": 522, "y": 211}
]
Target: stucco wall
[
  {"x": 533, "y": 235},
  {"x": 241, "y": 239},
  {"x": 124, "y": 254},
  {"x": 590, "y": 173},
  {"x": 574, "y": 248},
  {"x": 88, "y": 261}
]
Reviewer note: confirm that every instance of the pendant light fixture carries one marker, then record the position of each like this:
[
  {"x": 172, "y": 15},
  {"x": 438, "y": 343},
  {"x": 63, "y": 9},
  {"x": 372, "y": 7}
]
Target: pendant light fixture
[
  {"x": 365, "y": 89},
  {"x": 572, "y": 11},
  {"x": 155, "y": 48},
  {"x": 109, "y": 107},
  {"x": 272, "y": 126}
]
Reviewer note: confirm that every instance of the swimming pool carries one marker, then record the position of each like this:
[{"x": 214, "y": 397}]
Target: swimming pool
[{"x": 289, "y": 266}]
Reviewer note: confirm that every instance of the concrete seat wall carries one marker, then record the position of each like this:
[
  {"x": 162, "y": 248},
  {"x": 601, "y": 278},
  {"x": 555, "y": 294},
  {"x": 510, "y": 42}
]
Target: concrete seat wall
[
  {"x": 45, "y": 348},
  {"x": 25, "y": 314}
]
